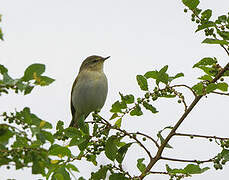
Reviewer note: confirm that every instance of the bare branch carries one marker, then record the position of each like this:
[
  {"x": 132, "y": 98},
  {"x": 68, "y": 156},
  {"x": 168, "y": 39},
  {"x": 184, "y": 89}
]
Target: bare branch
[
  {"x": 225, "y": 49},
  {"x": 186, "y": 160},
  {"x": 220, "y": 93},
  {"x": 201, "y": 136},
  {"x": 154, "y": 141}
]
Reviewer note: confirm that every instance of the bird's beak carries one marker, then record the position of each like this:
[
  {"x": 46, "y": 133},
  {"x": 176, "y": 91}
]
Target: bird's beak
[{"x": 106, "y": 58}]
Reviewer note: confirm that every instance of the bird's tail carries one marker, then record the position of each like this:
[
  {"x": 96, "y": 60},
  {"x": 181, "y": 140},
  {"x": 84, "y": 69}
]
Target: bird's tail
[
  {"x": 75, "y": 120},
  {"x": 73, "y": 123}
]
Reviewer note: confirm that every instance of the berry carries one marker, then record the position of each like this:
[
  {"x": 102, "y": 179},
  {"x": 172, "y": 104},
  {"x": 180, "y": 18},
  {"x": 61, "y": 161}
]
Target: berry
[{"x": 185, "y": 10}]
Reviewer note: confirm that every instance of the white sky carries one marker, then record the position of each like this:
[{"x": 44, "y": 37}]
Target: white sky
[{"x": 139, "y": 36}]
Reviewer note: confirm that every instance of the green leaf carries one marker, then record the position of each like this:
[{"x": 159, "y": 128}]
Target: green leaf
[
  {"x": 57, "y": 176},
  {"x": 61, "y": 174},
  {"x": 205, "y": 62},
  {"x": 205, "y": 25},
  {"x": 28, "y": 89},
  {"x": 83, "y": 145},
  {"x": 118, "y": 106},
  {"x": 162, "y": 140},
  {"x": 95, "y": 130},
  {"x": 222, "y": 18},
  {"x": 128, "y": 99},
  {"x": 224, "y": 34},
  {"x": 33, "y": 70},
  {"x": 188, "y": 170},
  {"x": 7, "y": 79},
  {"x": 206, "y": 78},
  {"x": 45, "y": 125},
  {"x": 222, "y": 86},
  {"x": 100, "y": 174},
  {"x": 191, "y": 4},
  {"x": 81, "y": 178},
  {"x": 142, "y": 82},
  {"x": 195, "y": 169},
  {"x": 1, "y": 35},
  {"x": 114, "y": 116},
  {"x": 58, "y": 150},
  {"x": 151, "y": 74},
  {"x": 206, "y": 15},
  {"x": 5, "y": 134},
  {"x": 21, "y": 142},
  {"x": 82, "y": 125},
  {"x": 162, "y": 76},
  {"x": 215, "y": 41},
  {"x": 3, "y": 69},
  {"x": 111, "y": 148},
  {"x": 45, "y": 81},
  {"x": 198, "y": 88},
  {"x": 4, "y": 160},
  {"x": 208, "y": 70},
  {"x": 225, "y": 154},
  {"x": 48, "y": 136},
  {"x": 117, "y": 176},
  {"x": 75, "y": 141},
  {"x": 38, "y": 167},
  {"x": 60, "y": 125},
  {"x": 136, "y": 111},
  {"x": 122, "y": 152},
  {"x": 176, "y": 76},
  {"x": 211, "y": 87},
  {"x": 118, "y": 122},
  {"x": 140, "y": 165},
  {"x": 72, "y": 132},
  {"x": 92, "y": 158},
  {"x": 149, "y": 107},
  {"x": 72, "y": 167}
]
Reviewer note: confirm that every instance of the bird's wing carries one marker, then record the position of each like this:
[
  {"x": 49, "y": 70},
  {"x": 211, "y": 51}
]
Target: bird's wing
[{"x": 72, "y": 107}]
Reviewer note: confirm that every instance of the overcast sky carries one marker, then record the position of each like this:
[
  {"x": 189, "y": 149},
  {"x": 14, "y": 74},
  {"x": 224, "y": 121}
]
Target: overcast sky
[{"x": 139, "y": 36}]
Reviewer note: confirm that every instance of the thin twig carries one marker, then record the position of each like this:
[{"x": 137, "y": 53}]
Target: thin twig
[
  {"x": 187, "y": 160},
  {"x": 130, "y": 135},
  {"x": 119, "y": 168},
  {"x": 201, "y": 136},
  {"x": 225, "y": 49},
  {"x": 166, "y": 173},
  {"x": 154, "y": 141},
  {"x": 220, "y": 93},
  {"x": 159, "y": 172},
  {"x": 183, "y": 85}
]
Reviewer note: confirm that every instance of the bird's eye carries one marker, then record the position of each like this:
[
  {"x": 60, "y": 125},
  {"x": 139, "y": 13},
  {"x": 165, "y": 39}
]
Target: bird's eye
[{"x": 96, "y": 60}]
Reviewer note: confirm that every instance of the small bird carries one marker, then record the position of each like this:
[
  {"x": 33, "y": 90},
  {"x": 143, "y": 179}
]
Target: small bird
[{"x": 89, "y": 90}]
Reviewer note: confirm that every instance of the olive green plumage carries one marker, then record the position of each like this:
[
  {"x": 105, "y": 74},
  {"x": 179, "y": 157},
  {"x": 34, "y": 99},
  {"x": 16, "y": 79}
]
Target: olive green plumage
[{"x": 89, "y": 90}]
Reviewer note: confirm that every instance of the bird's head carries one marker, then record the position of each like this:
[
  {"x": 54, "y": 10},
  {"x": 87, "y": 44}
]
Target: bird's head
[{"x": 93, "y": 63}]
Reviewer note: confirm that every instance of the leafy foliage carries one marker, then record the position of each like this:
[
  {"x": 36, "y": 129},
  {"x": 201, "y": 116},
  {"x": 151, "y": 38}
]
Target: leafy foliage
[
  {"x": 28, "y": 141},
  {"x": 25, "y": 84},
  {"x": 1, "y": 34}
]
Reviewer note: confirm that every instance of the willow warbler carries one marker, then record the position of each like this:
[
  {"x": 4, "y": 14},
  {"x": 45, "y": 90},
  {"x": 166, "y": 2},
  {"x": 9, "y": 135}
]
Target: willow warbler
[{"x": 89, "y": 90}]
